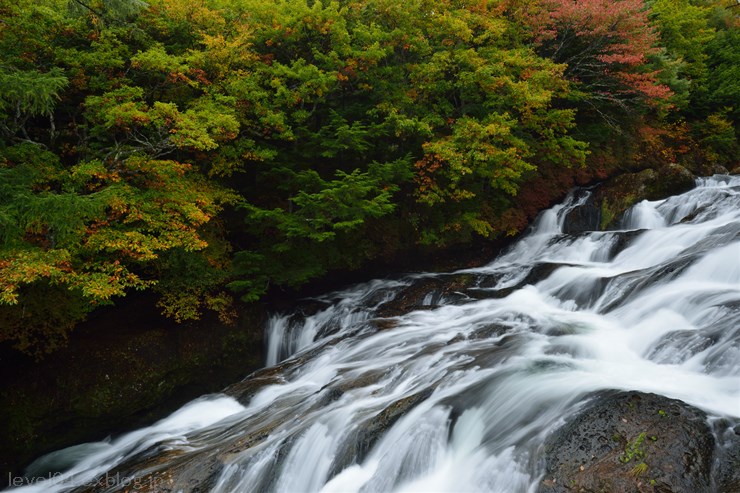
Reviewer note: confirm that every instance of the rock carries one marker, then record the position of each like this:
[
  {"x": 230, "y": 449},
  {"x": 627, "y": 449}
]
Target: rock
[
  {"x": 631, "y": 442},
  {"x": 125, "y": 368},
  {"x": 671, "y": 179},
  {"x": 727, "y": 462},
  {"x": 384, "y": 323},
  {"x": 715, "y": 169},
  {"x": 426, "y": 294},
  {"x": 369, "y": 432},
  {"x": 617, "y": 195},
  {"x": 584, "y": 218},
  {"x": 246, "y": 389}
]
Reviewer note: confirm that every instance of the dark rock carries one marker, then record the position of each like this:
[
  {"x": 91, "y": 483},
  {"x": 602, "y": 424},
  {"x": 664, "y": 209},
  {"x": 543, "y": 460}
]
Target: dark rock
[
  {"x": 384, "y": 323},
  {"x": 434, "y": 288},
  {"x": 124, "y": 369},
  {"x": 370, "y": 431},
  {"x": 604, "y": 208},
  {"x": 539, "y": 272},
  {"x": 631, "y": 442},
  {"x": 727, "y": 463},
  {"x": 489, "y": 331},
  {"x": 246, "y": 389},
  {"x": 622, "y": 241},
  {"x": 617, "y": 195},
  {"x": 584, "y": 218},
  {"x": 672, "y": 179}
]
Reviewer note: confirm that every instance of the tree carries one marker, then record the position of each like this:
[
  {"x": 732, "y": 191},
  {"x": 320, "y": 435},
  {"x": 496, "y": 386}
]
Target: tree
[
  {"x": 99, "y": 194},
  {"x": 606, "y": 46}
]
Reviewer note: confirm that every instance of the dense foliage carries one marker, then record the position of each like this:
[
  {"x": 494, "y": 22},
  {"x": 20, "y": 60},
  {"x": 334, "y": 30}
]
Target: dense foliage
[{"x": 211, "y": 147}]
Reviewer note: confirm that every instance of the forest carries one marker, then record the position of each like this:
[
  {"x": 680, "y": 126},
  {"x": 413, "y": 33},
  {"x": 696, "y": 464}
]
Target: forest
[{"x": 213, "y": 151}]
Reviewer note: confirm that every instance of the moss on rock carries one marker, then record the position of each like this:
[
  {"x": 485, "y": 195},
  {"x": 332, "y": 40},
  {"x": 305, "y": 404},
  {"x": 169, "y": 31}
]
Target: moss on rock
[
  {"x": 617, "y": 195},
  {"x": 631, "y": 441}
]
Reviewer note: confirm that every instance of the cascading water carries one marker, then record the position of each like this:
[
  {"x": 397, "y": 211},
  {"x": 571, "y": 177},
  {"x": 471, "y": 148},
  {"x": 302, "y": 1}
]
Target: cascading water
[
  {"x": 343, "y": 311},
  {"x": 460, "y": 393}
]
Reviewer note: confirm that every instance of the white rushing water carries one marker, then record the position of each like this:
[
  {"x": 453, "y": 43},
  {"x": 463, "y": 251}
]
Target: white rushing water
[{"x": 460, "y": 393}]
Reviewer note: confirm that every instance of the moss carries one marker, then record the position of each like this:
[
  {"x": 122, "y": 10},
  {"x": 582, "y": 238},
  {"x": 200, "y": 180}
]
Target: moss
[
  {"x": 619, "y": 194},
  {"x": 633, "y": 450},
  {"x": 612, "y": 209},
  {"x": 607, "y": 215}
]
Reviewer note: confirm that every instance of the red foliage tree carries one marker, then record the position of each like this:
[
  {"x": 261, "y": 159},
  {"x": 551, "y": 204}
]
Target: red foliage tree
[{"x": 605, "y": 45}]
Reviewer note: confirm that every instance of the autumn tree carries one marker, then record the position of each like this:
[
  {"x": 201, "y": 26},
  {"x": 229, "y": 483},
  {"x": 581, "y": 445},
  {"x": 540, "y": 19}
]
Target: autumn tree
[
  {"x": 194, "y": 149},
  {"x": 99, "y": 192},
  {"x": 606, "y": 46}
]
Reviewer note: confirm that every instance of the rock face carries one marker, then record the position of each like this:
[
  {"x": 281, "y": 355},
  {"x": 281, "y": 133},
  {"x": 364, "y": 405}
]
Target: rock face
[
  {"x": 123, "y": 369},
  {"x": 426, "y": 294},
  {"x": 631, "y": 442}
]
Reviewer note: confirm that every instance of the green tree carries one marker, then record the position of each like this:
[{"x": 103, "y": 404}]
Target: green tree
[{"x": 99, "y": 190}]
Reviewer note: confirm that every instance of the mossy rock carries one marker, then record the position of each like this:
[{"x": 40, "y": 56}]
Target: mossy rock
[
  {"x": 631, "y": 442},
  {"x": 617, "y": 195}
]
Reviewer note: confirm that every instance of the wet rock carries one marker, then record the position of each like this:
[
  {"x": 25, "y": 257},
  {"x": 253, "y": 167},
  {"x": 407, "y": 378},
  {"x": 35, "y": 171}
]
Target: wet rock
[
  {"x": 490, "y": 331},
  {"x": 246, "y": 389},
  {"x": 426, "y": 294},
  {"x": 631, "y": 442},
  {"x": 604, "y": 208},
  {"x": 539, "y": 272},
  {"x": 583, "y": 218},
  {"x": 158, "y": 470},
  {"x": 491, "y": 294},
  {"x": 369, "y": 432},
  {"x": 617, "y": 195},
  {"x": 622, "y": 241},
  {"x": 384, "y": 323},
  {"x": 633, "y": 283},
  {"x": 727, "y": 462}
]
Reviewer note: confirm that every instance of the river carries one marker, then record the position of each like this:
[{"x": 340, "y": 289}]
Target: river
[{"x": 460, "y": 392}]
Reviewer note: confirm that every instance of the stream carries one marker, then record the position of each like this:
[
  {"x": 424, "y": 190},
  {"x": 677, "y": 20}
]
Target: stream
[{"x": 452, "y": 382}]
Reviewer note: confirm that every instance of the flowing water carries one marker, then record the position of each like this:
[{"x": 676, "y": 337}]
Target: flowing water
[{"x": 459, "y": 393}]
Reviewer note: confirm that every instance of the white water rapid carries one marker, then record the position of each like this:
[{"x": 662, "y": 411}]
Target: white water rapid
[{"x": 459, "y": 394}]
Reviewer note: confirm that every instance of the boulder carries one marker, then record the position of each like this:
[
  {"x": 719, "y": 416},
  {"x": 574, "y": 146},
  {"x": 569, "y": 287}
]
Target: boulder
[
  {"x": 631, "y": 442},
  {"x": 603, "y": 209},
  {"x": 617, "y": 195}
]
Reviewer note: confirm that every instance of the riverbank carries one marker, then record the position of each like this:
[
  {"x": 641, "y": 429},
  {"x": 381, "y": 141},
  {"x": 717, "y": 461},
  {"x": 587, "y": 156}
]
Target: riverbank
[{"x": 123, "y": 368}]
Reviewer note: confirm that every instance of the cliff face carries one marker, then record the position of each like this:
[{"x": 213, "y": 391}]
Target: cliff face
[{"x": 123, "y": 368}]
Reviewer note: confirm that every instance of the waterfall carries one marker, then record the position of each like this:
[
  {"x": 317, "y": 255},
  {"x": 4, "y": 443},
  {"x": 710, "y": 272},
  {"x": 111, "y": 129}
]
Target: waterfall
[
  {"x": 459, "y": 393},
  {"x": 344, "y": 311}
]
